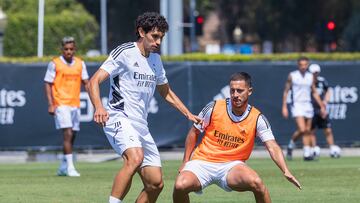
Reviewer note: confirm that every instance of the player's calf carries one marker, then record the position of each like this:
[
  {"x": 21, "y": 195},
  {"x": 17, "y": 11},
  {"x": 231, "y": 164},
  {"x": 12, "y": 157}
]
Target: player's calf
[{"x": 260, "y": 191}]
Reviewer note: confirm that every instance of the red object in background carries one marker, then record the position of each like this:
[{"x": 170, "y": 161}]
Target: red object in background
[
  {"x": 333, "y": 46},
  {"x": 200, "y": 20},
  {"x": 330, "y": 25}
]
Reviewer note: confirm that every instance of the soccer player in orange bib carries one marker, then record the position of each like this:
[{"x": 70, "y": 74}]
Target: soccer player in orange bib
[
  {"x": 63, "y": 80},
  {"x": 230, "y": 127}
]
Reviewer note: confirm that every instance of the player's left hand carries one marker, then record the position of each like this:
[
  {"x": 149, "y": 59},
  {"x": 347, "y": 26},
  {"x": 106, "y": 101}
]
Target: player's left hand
[
  {"x": 323, "y": 113},
  {"x": 292, "y": 179}
]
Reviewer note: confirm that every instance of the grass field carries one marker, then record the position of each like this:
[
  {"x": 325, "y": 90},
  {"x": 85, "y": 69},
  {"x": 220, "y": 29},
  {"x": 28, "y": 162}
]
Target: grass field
[{"x": 326, "y": 180}]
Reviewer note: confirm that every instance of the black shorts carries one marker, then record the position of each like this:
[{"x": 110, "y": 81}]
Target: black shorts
[{"x": 319, "y": 122}]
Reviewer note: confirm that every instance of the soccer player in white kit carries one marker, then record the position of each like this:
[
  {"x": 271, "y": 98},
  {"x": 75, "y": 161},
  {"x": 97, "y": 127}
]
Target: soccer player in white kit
[
  {"x": 135, "y": 70},
  {"x": 302, "y": 85},
  {"x": 318, "y": 122}
]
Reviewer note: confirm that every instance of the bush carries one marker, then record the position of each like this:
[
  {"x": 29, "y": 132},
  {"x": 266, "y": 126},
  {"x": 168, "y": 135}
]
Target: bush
[
  {"x": 264, "y": 57},
  {"x": 20, "y": 37},
  {"x": 213, "y": 58}
]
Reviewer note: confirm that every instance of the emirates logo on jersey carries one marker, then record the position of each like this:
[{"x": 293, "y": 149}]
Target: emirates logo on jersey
[
  {"x": 227, "y": 140},
  {"x": 136, "y": 64}
]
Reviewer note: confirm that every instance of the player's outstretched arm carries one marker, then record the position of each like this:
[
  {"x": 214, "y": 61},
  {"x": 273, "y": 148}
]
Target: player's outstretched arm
[
  {"x": 278, "y": 157},
  {"x": 100, "y": 114},
  {"x": 166, "y": 92}
]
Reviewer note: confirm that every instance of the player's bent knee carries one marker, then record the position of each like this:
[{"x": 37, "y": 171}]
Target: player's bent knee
[
  {"x": 179, "y": 185},
  {"x": 182, "y": 184},
  {"x": 134, "y": 162},
  {"x": 155, "y": 186},
  {"x": 257, "y": 185}
]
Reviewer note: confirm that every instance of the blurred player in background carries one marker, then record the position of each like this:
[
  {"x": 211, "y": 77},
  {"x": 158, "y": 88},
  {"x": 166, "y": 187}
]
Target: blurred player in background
[
  {"x": 318, "y": 121},
  {"x": 302, "y": 86},
  {"x": 230, "y": 127},
  {"x": 135, "y": 71},
  {"x": 63, "y": 80}
]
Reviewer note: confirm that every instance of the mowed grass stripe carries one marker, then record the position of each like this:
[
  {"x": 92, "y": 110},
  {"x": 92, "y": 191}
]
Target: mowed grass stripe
[{"x": 326, "y": 180}]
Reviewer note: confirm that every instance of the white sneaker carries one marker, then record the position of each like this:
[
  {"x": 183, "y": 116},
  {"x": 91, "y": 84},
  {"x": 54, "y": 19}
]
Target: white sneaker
[
  {"x": 73, "y": 173},
  {"x": 335, "y": 151},
  {"x": 316, "y": 151}
]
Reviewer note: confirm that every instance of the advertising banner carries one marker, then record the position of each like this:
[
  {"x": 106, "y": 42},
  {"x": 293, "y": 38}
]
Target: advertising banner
[{"x": 25, "y": 122}]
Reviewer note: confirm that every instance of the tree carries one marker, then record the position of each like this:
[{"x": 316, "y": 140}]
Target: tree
[
  {"x": 351, "y": 34},
  {"x": 62, "y": 18},
  {"x": 283, "y": 21},
  {"x": 121, "y": 17}
]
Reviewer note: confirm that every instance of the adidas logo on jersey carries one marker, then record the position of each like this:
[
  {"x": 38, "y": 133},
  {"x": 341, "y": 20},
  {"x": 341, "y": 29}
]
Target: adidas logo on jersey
[{"x": 136, "y": 64}]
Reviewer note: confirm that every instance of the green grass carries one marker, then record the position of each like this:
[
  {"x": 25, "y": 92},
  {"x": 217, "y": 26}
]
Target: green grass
[{"x": 327, "y": 180}]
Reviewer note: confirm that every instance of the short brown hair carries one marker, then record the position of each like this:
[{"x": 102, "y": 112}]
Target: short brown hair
[
  {"x": 303, "y": 58},
  {"x": 241, "y": 76}
]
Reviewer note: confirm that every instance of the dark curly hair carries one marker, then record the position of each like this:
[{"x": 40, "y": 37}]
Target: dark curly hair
[{"x": 149, "y": 21}]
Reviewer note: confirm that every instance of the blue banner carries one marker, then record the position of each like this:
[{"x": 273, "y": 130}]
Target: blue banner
[{"x": 25, "y": 122}]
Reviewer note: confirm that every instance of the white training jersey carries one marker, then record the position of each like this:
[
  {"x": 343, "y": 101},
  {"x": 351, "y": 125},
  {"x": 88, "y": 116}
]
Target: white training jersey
[
  {"x": 133, "y": 79},
  {"x": 51, "y": 70},
  {"x": 301, "y": 86},
  {"x": 263, "y": 128}
]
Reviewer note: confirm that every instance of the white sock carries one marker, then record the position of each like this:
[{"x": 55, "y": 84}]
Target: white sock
[
  {"x": 333, "y": 147},
  {"x": 69, "y": 160},
  {"x": 312, "y": 150},
  {"x": 316, "y": 150},
  {"x": 307, "y": 151},
  {"x": 291, "y": 144},
  {"x": 63, "y": 164},
  {"x": 114, "y": 200}
]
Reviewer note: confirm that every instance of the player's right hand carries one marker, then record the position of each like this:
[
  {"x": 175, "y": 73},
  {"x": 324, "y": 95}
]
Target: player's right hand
[
  {"x": 51, "y": 109},
  {"x": 195, "y": 119},
  {"x": 285, "y": 112},
  {"x": 323, "y": 113},
  {"x": 181, "y": 167},
  {"x": 101, "y": 116}
]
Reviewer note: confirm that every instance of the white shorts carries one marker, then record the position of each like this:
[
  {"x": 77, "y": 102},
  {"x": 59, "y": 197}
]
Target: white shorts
[
  {"x": 211, "y": 173},
  {"x": 127, "y": 133},
  {"x": 67, "y": 117},
  {"x": 302, "y": 110}
]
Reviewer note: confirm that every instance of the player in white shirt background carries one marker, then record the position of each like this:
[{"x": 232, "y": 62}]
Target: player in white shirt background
[
  {"x": 302, "y": 85},
  {"x": 135, "y": 70},
  {"x": 319, "y": 122}
]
